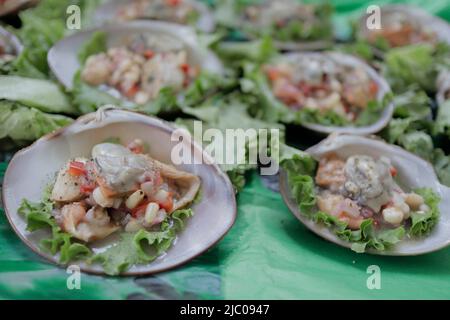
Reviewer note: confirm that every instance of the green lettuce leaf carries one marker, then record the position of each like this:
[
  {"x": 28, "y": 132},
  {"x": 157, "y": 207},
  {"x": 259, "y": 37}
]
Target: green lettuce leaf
[
  {"x": 22, "y": 124},
  {"x": 96, "y": 44},
  {"x": 423, "y": 223},
  {"x": 41, "y": 94},
  {"x": 133, "y": 248}
]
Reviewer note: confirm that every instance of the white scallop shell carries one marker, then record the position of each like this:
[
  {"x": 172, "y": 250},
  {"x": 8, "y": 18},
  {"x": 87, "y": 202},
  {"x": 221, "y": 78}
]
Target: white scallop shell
[{"x": 32, "y": 168}]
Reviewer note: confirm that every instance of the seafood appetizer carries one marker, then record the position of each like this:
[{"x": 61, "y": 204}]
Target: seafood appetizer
[
  {"x": 134, "y": 61},
  {"x": 327, "y": 92},
  {"x": 141, "y": 69},
  {"x": 292, "y": 24},
  {"x": 403, "y": 25},
  {"x": 114, "y": 207},
  {"x": 186, "y": 12},
  {"x": 358, "y": 194}
]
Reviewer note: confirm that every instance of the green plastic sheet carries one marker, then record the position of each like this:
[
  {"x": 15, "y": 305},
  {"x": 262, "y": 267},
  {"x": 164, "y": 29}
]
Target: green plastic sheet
[{"x": 268, "y": 254}]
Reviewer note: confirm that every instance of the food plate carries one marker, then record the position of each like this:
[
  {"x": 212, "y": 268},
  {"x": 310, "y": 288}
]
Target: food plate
[
  {"x": 34, "y": 167},
  {"x": 413, "y": 172}
]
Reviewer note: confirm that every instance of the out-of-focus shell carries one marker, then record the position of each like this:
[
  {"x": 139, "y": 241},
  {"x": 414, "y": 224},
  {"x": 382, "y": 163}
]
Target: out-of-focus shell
[{"x": 11, "y": 7}]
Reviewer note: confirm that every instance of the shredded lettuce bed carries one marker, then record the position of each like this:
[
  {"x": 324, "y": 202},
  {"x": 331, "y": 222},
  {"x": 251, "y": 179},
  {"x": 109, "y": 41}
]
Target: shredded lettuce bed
[
  {"x": 300, "y": 170},
  {"x": 132, "y": 249}
]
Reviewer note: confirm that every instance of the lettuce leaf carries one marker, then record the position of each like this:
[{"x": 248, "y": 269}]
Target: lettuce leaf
[
  {"x": 39, "y": 216},
  {"x": 442, "y": 122},
  {"x": 41, "y": 94},
  {"x": 22, "y": 124},
  {"x": 133, "y": 248},
  {"x": 96, "y": 44},
  {"x": 423, "y": 223},
  {"x": 415, "y": 65}
]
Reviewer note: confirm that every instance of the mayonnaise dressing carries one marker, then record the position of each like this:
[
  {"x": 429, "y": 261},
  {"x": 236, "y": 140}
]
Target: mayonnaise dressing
[{"x": 119, "y": 167}]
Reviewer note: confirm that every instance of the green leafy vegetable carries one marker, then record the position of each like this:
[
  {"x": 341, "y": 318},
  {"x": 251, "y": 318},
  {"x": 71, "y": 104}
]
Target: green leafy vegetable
[
  {"x": 41, "y": 94},
  {"x": 95, "y": 45},
  {"x": 22, "y": 124},
  {"x": 143, "y": 246},
  {"x": 423, "y": 222}
]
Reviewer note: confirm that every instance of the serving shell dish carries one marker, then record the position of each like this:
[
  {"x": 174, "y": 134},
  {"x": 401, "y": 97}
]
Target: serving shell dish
[
  {"x": 383, "y": 89},
  {"x": 11, "y": 40},
  {"x": 63, "y": 59},
  {"x": 32, "y": 168},
  {"x": 413, "y": 172}
]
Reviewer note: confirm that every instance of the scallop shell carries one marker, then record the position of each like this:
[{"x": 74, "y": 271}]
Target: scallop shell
[
  {"x": 63, "y": 57},
  {"x": 440, "y": 27},
  {"x": 34, "y": 167},
  {"x": 107, "y": 12},
  {"x": 413, "y": 172},
  {"x": 383, "y": 89}
]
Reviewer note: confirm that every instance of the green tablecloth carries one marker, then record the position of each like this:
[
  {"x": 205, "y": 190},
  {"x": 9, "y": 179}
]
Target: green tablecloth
[{"x": 268, "y": 254}]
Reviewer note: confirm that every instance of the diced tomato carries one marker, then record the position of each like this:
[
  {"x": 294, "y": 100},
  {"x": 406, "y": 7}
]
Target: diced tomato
[
  {"x": 167, "y": 204},
  {"x": 76, "y": 168},
  {"x": 393, "y": 171},
  {"x": 87, "y": 187},
  {"x": 185, "y": 68},
  {"x": 149, "y": 53},
  {"x": 173, "y": 3},
  {"x": 139, "y": 210},
  {"x": 131, "y": 92},
  {"x": 373, "y": 89}
]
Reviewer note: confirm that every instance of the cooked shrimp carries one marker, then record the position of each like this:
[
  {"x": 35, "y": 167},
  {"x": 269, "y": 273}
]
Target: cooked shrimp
[{"x": 330, "y": 173}]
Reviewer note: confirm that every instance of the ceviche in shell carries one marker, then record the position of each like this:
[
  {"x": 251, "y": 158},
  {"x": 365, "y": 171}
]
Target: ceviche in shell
[
  {"x": 113, "y": 202},
  {"x": 186, "y": 12},
  {"x": 403, "y": 25},
  {"x": 132, "y": 61},
  {"x": 351, "y": 190},
  {"x": 291, "y": 24},
  {"x": 329, "y": 92}
]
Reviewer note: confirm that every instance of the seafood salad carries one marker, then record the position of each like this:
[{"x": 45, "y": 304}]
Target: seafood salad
[
  {"x": 287, "y": 20},
  {"x": 178, "y": 11},
  {"x": 359, "y": 198},
  {"x": 139, "y": 71},
  {"x": 321, "y": 84},
  {"x": 362, "y": 187},
  {"x": 118, "y": 189}
]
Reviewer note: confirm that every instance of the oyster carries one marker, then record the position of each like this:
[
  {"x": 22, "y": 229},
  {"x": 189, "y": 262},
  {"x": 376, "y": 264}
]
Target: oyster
[
  {"x": 408, "y": 24},
  {"x": 412, "y": 173},
  {"x": 63, "y": 58},
  {"x": 33, "y": 168},
  {"x": 112, "y": 10}
]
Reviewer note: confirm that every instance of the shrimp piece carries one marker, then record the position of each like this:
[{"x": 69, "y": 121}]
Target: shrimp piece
[
  {"x": 67, "y": 186},
  {"x": 87, "y": 226},
  {"x": 330, "y": 173},
  {"x": 97, "y": 70}
]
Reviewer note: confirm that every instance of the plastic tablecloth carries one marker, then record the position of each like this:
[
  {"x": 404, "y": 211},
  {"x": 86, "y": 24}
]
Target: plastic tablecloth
[{"x": 268, "y": 254}]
